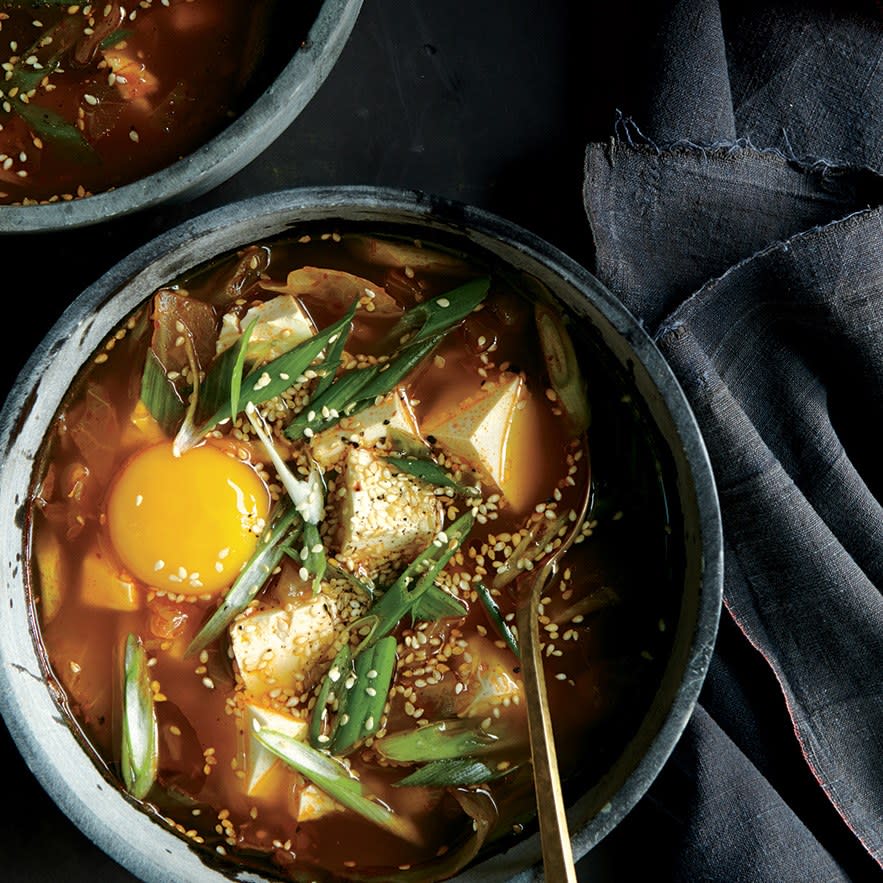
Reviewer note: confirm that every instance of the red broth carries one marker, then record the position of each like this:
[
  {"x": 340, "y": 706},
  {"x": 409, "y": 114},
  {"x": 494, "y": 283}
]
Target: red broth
[
  {"x": 99, "y": 95},
  {"x": 606, "y": 622}
]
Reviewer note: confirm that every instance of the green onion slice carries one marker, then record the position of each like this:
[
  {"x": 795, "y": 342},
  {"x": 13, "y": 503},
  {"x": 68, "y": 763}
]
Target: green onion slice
[
  {"x": 438, "y": 314},
  {"x": 55, "y": 128},
  {"x": 496, "y": 618},
  {"x": 430, "y": 472},
  {"x": 452, "y": 773},
  {"x": 331, "y": 363},
  {"x": 252, "y": 578},
  {"x": 139, "y": 755},
  {"x": 443, "y": 740},
  {"x": 435, "y": 604},
  {"x": 315, "y": 560},
  {"x": 563, "y": 368},
  {"x": 335, "y": 780},
  {"x": 417, "y": 578},
  {"x": 356, "y": 390},
  {"x": 338, "y": 672},
  {"x": 160, "y": 395},
  {"x": 240, "y": 348},
  {"x": 308, "y": 495},
  {"x": 270, "y": 380},
  {"x": 362, "y": 697}
]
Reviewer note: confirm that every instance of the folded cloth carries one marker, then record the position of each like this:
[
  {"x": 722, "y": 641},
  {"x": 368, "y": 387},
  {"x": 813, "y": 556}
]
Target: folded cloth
[{"x": 738, "y": 216}]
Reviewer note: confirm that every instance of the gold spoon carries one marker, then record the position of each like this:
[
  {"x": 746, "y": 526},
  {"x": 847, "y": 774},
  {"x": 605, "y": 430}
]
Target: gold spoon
[{"x": 554, "y": 834}]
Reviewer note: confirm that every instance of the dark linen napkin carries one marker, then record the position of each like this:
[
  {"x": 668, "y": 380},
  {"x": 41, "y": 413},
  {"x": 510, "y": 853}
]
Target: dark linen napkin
[{"x": 737, "y": 212}]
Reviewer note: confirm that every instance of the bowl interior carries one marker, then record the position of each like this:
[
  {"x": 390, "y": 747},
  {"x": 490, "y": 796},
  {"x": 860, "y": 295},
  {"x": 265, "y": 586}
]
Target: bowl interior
[{"x": 33, "y": 706}]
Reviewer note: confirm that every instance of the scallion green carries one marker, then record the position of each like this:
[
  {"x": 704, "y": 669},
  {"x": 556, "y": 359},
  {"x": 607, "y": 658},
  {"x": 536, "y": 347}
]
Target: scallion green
[
  {"x": 253, "y": 576},
  {"x": 139, "y": 748},
  {"x": 446, "y": 739},
  {"x": 336, "y": 781}
]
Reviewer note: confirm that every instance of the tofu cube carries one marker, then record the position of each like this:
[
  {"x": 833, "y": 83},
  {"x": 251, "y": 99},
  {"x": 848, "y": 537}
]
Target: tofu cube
[
  {"x": 285, "y": 646},
  {"x": 386, "y": 517},
  {"x": 315, "y": 803},
  {"x": 282, "y": 323},
  {"x": 478, "y": 430},
  {"x": 391, "y": 423}
]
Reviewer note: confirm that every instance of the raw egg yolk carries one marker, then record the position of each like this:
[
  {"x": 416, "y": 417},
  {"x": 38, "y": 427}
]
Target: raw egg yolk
[{"x": 186, "y": 524}]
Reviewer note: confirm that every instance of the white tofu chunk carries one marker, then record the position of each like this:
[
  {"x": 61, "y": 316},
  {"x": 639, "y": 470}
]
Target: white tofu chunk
[
  {"x": 386, "y": 517},
  {"x": 282, "y": 323},
  {"x": 315, "y": 803},
  {"x": 391, "y": 423},
  {"x": 259, "y": 762},
  {"x": 478, "y": 430},
  {"x": 284, "y": 647}
]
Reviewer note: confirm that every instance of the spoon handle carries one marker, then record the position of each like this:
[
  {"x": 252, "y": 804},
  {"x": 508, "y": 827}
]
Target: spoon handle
[{"x": 554, "y": 835}]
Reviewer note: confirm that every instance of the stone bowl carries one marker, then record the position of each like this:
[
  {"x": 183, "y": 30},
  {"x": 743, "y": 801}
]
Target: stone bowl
[{"x": 29, "y": 699}]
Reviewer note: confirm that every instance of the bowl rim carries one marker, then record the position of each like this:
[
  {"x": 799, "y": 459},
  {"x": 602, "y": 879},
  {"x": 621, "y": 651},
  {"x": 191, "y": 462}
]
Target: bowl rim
[
  {"x": 219, "y": 158},
  {"x": 361, "y": 203}
]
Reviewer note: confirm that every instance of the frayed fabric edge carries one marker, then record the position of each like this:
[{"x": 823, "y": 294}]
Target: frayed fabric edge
[{"x": 627, "y": 131}]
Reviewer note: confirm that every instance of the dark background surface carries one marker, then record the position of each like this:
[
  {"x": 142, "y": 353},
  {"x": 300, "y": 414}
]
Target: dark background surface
[{"x": 485, "y": 102}]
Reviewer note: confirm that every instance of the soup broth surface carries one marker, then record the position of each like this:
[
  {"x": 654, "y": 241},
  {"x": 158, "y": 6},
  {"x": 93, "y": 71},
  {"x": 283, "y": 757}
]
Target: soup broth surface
[{"x": 480, "y": 406}]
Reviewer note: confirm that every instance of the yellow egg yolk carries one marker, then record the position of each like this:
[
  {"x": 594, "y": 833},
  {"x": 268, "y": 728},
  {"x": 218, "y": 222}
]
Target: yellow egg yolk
[{"x": 186, "y": 524}]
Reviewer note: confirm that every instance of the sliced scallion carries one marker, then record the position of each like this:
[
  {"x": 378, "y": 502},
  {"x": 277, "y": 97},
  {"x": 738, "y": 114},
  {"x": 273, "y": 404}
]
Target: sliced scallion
[
  {"x": 331, "y": 363},
  {"x": 400, "y": 598},
  {"x": 356, "y": 390},
  {"x": 446, "y": 739},
  {"x": 240, "y": 349},
  {"x": 496, "y": 617},
  {"x": 451, "y": 773},
  {"x": 269, "y": 552},
  {"x": 314, "y": 560},
  {"x": 335, "y": 780},
  {"x": 270, "y": 380},
  {"x": 430, "y": 472},
  {"x": 563, "y": 368},
  {"x": 308, "y": 495},
  {"x": 435, "y": 604},
  {"x": 159, "y": 394},
  {"x": 362, "y": 697},
  {"x": 321, "y": 727},
  {"x": 139, "y": 754},
  {"x": 53, "y": 127},
  {"x": 438, "y": 314},
  {"x": 392, "y": 373}
]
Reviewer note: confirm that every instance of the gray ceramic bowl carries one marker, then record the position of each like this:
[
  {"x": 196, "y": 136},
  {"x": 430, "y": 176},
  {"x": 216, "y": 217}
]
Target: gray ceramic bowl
[
  {"x": 27, "y": 699},
  {"x": 219, "y": 159}
]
